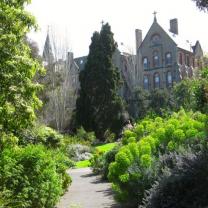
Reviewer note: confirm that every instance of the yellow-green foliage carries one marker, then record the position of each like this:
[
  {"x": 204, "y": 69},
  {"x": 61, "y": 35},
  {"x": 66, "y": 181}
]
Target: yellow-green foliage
[{"x": 143, "y": 143}]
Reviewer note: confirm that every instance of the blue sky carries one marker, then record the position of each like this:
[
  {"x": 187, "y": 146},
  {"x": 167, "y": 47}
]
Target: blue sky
[{"x": 78, "y": 19}]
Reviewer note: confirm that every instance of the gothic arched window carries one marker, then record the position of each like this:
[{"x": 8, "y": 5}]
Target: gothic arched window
[
  {"x": 156, "y": 60},
  {"x": 187, "y": 60},
  {"x": 155, "y": 39},
  {"x": 146, "y": 82},
  {"x": 145, "y": 63},
  {"x": 169, "y": 79},
  {"x": 168, "y": 58},
  {"x": 156, "y": 80},
  {"x": 180, "y": 58}
]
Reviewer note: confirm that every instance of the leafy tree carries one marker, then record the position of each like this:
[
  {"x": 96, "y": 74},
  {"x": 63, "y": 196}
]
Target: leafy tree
[
  {"x": 34, "y": 49},
  {"x": 202, "y": 4},
  {"x": 183, "y": 93},
  {"x": 142, "y": 100},
  {"x": 18, "y": 98},
  {"x": 201, "y": 92},
  {"x": 99, "y": 107},
  {"x": 159, "y": 99}
]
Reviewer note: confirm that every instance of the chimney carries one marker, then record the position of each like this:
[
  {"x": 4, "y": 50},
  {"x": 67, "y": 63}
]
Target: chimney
[
  {"x": 138, "y": 39},
  {"x": 174, "y": 26},
  {"x": 70, "y": 56}
]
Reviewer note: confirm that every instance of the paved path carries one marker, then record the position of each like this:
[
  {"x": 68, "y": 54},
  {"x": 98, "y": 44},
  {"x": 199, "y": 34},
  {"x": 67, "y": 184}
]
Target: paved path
[{"x": 87, "y": 191}]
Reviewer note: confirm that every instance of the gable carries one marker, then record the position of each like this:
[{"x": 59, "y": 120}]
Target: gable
[{"x": 154, "y": 30}]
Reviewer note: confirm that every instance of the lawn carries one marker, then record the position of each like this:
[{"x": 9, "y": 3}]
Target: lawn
[
  {"x": 82, "y": 164},
  {"x": 105, "y": 147},
  {"x": 102, "y": 148}
]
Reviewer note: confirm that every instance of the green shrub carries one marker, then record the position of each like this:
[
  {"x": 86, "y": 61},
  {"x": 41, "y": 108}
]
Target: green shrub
[
  {"x": 157, "y": 136},
  {"x": 78, "y": 152},
  {"x": 86, "y": 136},
  {"x": 101, "y": 160},
  {"x": 41, "y": 135},
  {"x": 48, "y": 137},
  {"x": 32, "y": 177},
  {"x": 97, "y": 162}
]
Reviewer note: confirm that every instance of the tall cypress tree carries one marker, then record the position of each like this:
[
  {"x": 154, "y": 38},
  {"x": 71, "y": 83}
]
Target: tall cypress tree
[{"x": 99, "y": 107}]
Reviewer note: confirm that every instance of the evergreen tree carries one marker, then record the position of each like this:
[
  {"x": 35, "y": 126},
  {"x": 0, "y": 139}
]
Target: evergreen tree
[
  {"x": 18, "y": 98},
  {"x": 99, "y": 107}
]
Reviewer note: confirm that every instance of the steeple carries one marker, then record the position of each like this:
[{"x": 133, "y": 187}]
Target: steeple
[
  {"x": 47, "y": 51},
  {"x": 155, "y": 18}
]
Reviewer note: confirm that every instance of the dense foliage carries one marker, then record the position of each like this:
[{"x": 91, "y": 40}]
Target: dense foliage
[
  {"x": 18, "y": 98},
  {"x": 191, "y": 94},
  {"x": 32, "y": 177},
  {"x": 202, "y": 4},
  {"x": 99, "y": 107},
  {"x": 184, "y": 185},
  {"x": 40, "y": 134},
  {"x": 101, "y": 160},
  {"x": 134, "y": 169},
  {"x": 154, "y": 102},
  {"x": 32, "y": 174}
]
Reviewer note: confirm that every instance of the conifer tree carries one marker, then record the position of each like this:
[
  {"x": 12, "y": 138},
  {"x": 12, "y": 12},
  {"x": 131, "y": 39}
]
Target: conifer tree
[{"x": 99, "y": 107}]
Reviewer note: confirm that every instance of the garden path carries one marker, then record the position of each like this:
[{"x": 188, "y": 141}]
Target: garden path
[{"x": 87, "y": 191}]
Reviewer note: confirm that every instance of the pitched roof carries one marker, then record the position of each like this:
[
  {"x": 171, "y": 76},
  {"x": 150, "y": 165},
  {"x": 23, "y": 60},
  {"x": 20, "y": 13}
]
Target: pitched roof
[
  {"x": 180, "y": 42},
  {"x": 177, "y": 39},
  {"x": 81, "y": 61}
]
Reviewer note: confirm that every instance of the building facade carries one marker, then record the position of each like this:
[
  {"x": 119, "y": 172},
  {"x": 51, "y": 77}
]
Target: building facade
[{"x": 164, "y": 58}]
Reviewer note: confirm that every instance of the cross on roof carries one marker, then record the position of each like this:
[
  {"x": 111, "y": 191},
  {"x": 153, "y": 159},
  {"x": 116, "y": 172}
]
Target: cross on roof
[
  {"x": 102, "y": 22},
  {"x": 155, "y": 18}
]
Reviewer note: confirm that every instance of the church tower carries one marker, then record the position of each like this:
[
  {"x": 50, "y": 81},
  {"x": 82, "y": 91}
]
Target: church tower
[{"x": 48, "y": 56}]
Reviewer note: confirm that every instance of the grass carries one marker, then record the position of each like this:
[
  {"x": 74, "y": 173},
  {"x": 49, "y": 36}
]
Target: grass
[
  {"x": 105, "y": 147},
  {"x": 102, "y": 148},
  {"x": 82, "y": 164}
]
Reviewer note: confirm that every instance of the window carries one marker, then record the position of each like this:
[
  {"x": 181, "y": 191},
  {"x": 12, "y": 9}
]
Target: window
[
  {"x": 168, "y": 58},
  {"x": 156, "y": 80},
  {"x": 156, "y": 61},
  {"x": 180, "y": 59},
  {"x": 146, "y": 82},
  {"x": 187, "y": 60},
  {"x": 145, "y": 63},
  {"x": 155, "y": 39},
  {"x": 169, "y": 80},
  {"x": 125, "y": 67}
]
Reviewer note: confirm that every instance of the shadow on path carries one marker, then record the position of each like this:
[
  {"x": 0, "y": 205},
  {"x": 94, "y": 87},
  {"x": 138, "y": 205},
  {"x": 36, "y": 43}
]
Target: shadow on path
[{"x": 87, "y": 191}]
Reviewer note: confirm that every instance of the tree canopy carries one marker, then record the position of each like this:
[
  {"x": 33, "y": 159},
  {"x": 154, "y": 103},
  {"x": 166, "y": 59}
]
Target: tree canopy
[
  {"x": 18, "y": 98},
  {"x": 99, "y": 107},
  {"x": 202, "y": 4}
]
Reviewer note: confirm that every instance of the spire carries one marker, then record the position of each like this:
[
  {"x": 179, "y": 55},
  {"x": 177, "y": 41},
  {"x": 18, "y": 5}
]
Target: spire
[
  {"x": 47, "y": 51},
  {"x": 155, "y": 18}
]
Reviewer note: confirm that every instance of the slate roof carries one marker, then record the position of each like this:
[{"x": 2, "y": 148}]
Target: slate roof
[
  {"x": 81, "y": 61},
  {"x": 180, "y": 42}
]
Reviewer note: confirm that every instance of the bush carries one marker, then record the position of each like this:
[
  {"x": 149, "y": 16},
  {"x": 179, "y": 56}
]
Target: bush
[
  {"x": 101, "y": 160},
  {"x": 134, "y": 169},
  {"x": 78, "y": 152},
  {"x": 86, "y": 136},
  {"x": 32, "y": 177},
  {"x": 41, "y": 135},
  {"x": 185, "y": 185}
]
